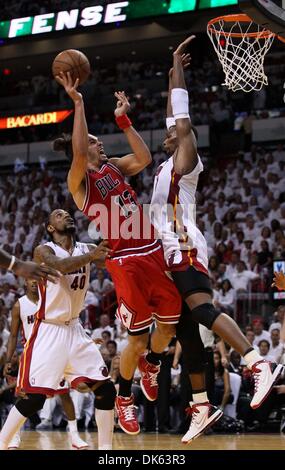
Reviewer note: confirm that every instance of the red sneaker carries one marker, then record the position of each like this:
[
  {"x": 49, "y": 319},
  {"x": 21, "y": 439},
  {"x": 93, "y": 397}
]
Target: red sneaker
[
  {"x": 149, "y": 373},
  {"x": 127, "y": 415}
]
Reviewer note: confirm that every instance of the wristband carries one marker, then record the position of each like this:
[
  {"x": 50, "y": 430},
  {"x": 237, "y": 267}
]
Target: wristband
[
  {"x": 180, "y": 103},
  {"x": 13, "y": 260},
  {"x": 170, "y": 122},
  {"x": 123, "y": 122}
]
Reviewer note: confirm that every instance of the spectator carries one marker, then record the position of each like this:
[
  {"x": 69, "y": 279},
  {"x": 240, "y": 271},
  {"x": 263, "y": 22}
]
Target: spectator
[
  {"x": 101, "y": 285},
  {"x": 264, "y": 347},
  {"x": 259, "y": 332},
  {"x": 225, "y": 300},
  {"x": 104, "y": 322},
  {"x": 241, "y": 278},
  {"x": 277, "y": 346}
]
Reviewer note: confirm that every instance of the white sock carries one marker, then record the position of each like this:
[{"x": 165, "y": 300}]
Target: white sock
[
  {"x": 72, "y": 426},
  {"x": 105, "y": 424},
  {"x": 200, "y": 397},
  {"x": 13, "y": 423},
  {"x": 252, "y": 357}
]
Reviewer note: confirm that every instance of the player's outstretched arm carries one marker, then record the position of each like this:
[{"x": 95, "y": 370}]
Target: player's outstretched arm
[
  {"x": 27, "y": 269},
  {"x": 79, "y": 163},
  {"x": 186, "y": 157},
  {"x": 141, "y": 157},
  {"x": 12, "y": 341},
  {"x": 186, "y": 59},
  {"x": 45, "y": 254}
]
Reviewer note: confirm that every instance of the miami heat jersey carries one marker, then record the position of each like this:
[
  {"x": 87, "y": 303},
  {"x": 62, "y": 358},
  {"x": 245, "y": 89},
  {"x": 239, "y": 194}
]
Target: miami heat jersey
[
  {"x": 28, "y": 310},
  {"x": 173, "y": 215},
  {"x": 64, "y": 301},
  {"x": 112, "y": 204}
]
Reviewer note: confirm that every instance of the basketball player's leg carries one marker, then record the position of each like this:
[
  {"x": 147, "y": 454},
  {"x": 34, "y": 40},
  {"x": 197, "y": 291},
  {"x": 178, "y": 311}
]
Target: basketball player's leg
[
  {"x": 165, "y": 304},
  {"x": 23, "y": 408},
  {"x": 39, "y": 375},
  {"x": 87, "y": 368},
  {"x": 126, "y": 411},
  {"x": 195, "y": 287},
  {"x": 193, "y": 352},
  {"x": 161, "y": 338},
  {"x": 105, "y": 395},
  {"x": 68, "y": 407}
]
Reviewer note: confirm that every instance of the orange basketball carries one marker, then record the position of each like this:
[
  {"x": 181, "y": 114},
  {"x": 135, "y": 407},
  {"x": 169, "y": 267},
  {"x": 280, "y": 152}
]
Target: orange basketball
[{"x": 72, "y": 61}]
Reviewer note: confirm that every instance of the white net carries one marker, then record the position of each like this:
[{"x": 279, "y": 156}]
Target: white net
[{"x": 241, "y": 47}]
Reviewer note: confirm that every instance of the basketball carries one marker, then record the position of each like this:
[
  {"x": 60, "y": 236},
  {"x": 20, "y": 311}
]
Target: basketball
[{"x": 72, "y": 61}]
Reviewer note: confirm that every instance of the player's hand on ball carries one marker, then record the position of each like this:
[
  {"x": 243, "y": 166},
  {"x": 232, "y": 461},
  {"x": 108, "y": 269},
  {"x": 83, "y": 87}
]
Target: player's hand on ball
[
  {"x": 100, "y": 253},
  {"x": 70, "y": 87},
  {"x": 123, "y": 105},
  {"x": 279, "y": 280}
]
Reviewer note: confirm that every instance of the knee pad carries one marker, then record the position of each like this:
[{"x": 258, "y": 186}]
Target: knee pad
[
  {"x": 28, "y": 407},
  {"x": 205, "y": 314},
  {"x": 193, "y": 351},
  {"x": 105, "y": 396}
]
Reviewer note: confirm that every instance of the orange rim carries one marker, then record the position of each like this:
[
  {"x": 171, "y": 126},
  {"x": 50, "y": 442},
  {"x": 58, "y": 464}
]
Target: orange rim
[{"x": 241, "y": 18}]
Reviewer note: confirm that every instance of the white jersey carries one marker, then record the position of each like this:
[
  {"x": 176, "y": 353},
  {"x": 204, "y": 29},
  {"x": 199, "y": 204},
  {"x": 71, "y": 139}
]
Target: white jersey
[
  {"x": 64, "y": 301},
  {"x": 28, "y": 310},
  {"x": 174, "y": 217}
]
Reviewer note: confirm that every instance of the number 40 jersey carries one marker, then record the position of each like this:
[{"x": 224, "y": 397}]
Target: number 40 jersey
[{"x": 63, "y": 301}]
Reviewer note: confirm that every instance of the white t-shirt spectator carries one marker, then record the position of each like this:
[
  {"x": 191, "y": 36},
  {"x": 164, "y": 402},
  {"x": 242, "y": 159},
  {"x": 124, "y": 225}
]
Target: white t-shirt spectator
[
  {"x": 263, "y": 335},
  {"x": 100, "y": 288},
  {"x": 9, "y": 299},
  {"x": 277, "y": 351},
  {"x": 97, "y": 333},
  {"x": 5, "y": 336},
  {"x": 241, "y": 280},
  {"x": 275, "y": 326},
  {"x": 91, "y": 299},
  {"x": 228, "y": 299},
  {"x": 7, "y": 278}
]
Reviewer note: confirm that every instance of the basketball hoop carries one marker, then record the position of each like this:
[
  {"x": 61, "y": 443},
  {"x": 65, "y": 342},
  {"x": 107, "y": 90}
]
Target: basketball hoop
[{"x": 241, "y": 46}]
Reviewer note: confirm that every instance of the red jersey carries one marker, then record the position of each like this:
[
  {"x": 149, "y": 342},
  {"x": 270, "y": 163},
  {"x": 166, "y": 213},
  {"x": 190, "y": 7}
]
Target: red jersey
[{"x": 111, "y": 203}]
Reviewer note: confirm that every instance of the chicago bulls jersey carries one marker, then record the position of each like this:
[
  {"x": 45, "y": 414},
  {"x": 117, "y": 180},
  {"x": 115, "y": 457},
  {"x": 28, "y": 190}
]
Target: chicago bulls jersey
[
  {"x": 173, "y": 214},
  {"x": 63, "y": 301},
  {"x": 28, "y": 310},
  {"x": 112, "y": 205}
]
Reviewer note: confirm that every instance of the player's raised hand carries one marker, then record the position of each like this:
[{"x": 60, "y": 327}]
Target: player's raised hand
[
  {"x": 279, "y": 280},
  {"x": 39, "y": 272},
  {"x": 186, "y": 60},
  {"x": 183, "y": 46},
  {"x": 100, "y": 253},
  {"x": 69, "y": 85},
  {"x": 123, "y": 105}
]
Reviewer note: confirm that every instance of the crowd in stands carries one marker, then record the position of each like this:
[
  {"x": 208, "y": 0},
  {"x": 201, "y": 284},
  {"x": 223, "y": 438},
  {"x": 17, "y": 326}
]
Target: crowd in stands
[{"x": 146, "y": 83}]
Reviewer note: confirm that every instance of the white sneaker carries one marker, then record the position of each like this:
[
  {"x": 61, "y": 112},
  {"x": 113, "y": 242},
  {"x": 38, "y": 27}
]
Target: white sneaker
[
  {"x": 44, "y": 424},
  {"x": 77, "y": 442},
  {"x": 15, "y": 441},
  {"x": 204, "y": 415},
  {"x": 265, "y": 374}
]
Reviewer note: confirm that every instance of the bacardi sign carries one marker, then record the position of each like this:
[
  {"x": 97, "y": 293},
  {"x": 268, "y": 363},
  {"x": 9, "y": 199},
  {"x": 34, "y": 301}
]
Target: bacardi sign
[{"x": 50, "y": 117}]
